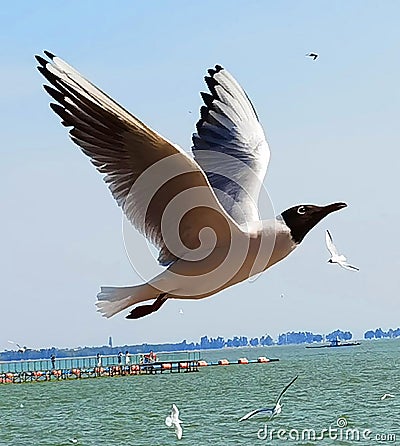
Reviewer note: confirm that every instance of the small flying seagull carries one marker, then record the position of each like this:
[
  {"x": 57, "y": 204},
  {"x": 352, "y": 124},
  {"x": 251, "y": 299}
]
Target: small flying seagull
[
  {"x": 200, "y": 212},
  {"x": 312, "y": 55},
  {"x": 276, "y": 410},
  {"x": 340, "y": 259},
  {"x": 20, "y": 349},
  {"x": 173, "y": 420},
  {"x": 387, "y": 395},
  {"x": 181, "y": 311}
]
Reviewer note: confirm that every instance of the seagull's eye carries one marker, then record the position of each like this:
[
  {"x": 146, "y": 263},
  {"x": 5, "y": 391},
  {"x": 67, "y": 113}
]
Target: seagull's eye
[{"x": 301, "y": 210}]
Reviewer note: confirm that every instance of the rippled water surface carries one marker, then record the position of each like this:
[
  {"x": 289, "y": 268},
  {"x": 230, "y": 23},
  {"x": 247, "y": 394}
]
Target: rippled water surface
[{"x": 337, "y": 385}]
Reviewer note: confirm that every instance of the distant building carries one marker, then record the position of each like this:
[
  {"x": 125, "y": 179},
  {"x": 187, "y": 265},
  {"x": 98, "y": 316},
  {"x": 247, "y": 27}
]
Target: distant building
[{"x": 110, "y": 344}]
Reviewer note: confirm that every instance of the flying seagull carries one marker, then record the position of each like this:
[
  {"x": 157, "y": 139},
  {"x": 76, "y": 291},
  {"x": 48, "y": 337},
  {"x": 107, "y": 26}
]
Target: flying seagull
[
  {"x": 20, "y": 348},
  {"x": 387, "y": 395},
  {"x": 340, "y": 259},
  {"x": 200, "y": 211},
  {"x": 312, "y": 55},
  {"x": 276, "y": 410},
  {"x": 173, "y": 420}
]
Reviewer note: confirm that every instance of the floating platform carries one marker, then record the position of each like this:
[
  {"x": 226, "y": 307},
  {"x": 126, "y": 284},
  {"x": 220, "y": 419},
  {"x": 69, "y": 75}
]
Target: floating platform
[
  {"x": 24, "y": 374},
  {"x": 335, "y": 344}
]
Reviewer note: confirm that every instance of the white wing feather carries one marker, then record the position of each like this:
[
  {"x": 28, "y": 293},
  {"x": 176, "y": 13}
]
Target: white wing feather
[
  {"x": 329, "y": 244},
  {"x": 230, "y": 146}
]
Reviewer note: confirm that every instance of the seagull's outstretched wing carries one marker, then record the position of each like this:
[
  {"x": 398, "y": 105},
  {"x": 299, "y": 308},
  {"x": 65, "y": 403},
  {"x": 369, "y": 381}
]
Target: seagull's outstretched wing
[
  {"x": 15, "y": 343},
  {"x": 175, "y": 413},
  {"x": 329, "y": 244},
  {"x": 255, "y": 412},
  {"x": 135, "y": 159},
  {"x": 230, "y": 146},
  {"x": 284, "y": 390},
  {"x": 178, "y": 430},
  {"x": 346, "y": 265}
]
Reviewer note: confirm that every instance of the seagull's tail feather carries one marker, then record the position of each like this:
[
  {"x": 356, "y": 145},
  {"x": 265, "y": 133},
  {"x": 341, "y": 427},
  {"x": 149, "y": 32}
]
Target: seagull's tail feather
[{"x": 112, "y": 300}]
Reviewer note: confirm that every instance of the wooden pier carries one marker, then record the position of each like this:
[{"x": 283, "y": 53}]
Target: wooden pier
[{"x": 80, "y": 368}]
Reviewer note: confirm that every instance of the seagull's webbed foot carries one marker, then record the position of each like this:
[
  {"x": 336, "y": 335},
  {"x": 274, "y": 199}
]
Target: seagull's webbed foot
[{"x": 144, "y": 310}]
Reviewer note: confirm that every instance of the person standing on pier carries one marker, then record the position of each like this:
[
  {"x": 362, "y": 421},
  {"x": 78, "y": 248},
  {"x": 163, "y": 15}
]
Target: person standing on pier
[
  {"x": 127, "y": 359},
  {"x": 119, "y": 358},
  {"x": 53, "y": 361},
  {"x": 98, "y": 357}
]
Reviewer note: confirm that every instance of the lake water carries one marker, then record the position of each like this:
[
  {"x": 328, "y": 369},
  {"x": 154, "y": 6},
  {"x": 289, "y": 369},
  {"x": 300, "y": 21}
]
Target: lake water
[{"x": 336, "y": 386}]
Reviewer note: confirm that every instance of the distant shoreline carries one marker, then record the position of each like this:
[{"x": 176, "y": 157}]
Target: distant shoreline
[{"x": 205, "y": 343}]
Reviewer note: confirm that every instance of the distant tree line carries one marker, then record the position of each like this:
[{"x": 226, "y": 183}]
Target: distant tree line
[
  {"x": 206, "y": 343},
  {"x": 379, "y": 333}
]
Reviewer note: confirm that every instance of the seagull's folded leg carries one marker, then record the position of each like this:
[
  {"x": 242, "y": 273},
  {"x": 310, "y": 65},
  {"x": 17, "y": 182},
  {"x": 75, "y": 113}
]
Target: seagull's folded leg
[{"x": 144, "y": 310}]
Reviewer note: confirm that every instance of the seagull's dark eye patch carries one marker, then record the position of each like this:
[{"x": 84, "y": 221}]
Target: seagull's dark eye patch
[{"x": 301, "y": 210}]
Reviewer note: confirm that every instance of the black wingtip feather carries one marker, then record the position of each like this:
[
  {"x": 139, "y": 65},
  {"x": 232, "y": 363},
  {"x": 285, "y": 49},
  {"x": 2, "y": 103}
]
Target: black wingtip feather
[
  {"x": 211, "y": 84},
  {"x": 55, "y": 94},
  {"x": 203, "y": 112},
  {"x": 207, "y": 98},
  {"x": 42, "y": 61},
  {"x": 49, "y": 55},
  {"x": 57, "y": 108},
  {"x": 63, "y": 114},
  {"x": 213, "y": 71}
]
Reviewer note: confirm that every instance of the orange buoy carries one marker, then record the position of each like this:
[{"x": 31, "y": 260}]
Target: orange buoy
[
  {"x": 243, "y": 361},
  {"x": 262, "y": 359},
  {"x": 183, "y": 365},
  {"x": 223, "y": 362},
  {"x": 202, "y": 363},
  {"x": 166, "y": 366}
]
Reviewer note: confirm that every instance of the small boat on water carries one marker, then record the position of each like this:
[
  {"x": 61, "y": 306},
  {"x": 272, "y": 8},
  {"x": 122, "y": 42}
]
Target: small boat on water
[{"x": 335, "y": 343}]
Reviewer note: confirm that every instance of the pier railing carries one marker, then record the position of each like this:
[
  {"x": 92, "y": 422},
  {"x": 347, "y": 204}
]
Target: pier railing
[{"x": 93, "y": 362}]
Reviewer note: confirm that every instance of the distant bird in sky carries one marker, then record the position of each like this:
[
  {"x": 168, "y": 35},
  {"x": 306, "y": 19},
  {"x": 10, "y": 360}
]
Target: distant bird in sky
[
  {"x": 312, "y": 55},
  {"x": 340, "y": 259},
  {"x": 387, "y": 395},
  {"x": 173, "y": 420},
  {"x": 282, "y": 295},
  {"x": 181, "y": 311},
  {"x": 200, "y": 212},
  {"x": 20, "y": 349},
  {"x": 276, "y": 410}
]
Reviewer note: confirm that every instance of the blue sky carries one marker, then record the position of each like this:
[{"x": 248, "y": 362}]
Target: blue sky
[{"x": 332, "y": 126}]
